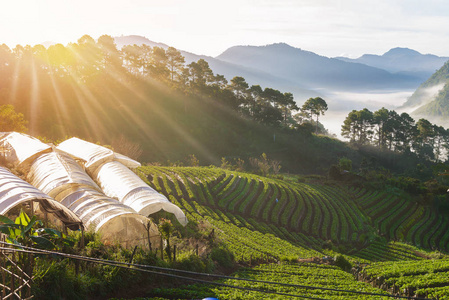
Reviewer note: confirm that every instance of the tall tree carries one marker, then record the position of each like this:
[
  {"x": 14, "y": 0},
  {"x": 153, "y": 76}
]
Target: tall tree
[
  {"x": 200, "y": 73},
  {"x": 88, "y": 57},
  {"x": 239, "y": 87},
  {"x": 440, "y": 137},
  {"x": 358, "y": 126},
  {"x": 132, "y": 58},
  {"x": 175, "y": 62},
  {"x": 423, "y": 145},
  {"x": 60, "y": 59},
  {"x": 158, "y": 67},
  {"x": 405, "y": 133},
  {"x": 110, "y": 55},
  {"x": 315, "y": 106},
  {"x": 380, "y": 118}
]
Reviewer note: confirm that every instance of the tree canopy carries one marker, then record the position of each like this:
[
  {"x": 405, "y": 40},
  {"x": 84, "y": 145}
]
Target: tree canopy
[
  {"x": 387, "y": 129},
  {"x": 10, "y": 120},
  {"x": 314, "y": 106}
]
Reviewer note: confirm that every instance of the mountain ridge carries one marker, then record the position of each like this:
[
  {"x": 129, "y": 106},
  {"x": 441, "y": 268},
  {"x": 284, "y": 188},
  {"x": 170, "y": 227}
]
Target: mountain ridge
[
  {"x": 313, "y": 70},
  {"x": 229, "y": 70},
  {"x": 402, "y": 60}
]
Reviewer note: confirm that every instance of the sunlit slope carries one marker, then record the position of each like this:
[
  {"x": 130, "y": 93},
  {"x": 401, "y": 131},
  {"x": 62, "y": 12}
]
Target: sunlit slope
[
  {"x": 425, "y": 278},
  {"x": 432, "y": 95},
  {"x": 309, "y": 216},
  {"x": 166, "y": 124}
]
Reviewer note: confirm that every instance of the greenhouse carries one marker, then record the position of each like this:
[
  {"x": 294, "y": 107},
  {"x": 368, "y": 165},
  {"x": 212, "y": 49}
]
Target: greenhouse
[
  {"x": 111, "y": 171},
  {"x": 21, "y": 149},
  {"x": 61, "y": 177},
  {"x": 15, "y": 192},
  {"x": 85, "y": 185}
]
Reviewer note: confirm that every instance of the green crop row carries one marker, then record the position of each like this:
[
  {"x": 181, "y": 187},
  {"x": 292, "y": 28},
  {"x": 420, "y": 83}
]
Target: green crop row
[
  {"x": 306, "y": 275},
  {"x": 405, "y": 268}
]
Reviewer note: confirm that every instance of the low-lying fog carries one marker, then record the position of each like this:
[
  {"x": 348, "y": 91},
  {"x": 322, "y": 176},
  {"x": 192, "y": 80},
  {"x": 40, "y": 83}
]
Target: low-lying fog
[{"x": 341, "y": 103}]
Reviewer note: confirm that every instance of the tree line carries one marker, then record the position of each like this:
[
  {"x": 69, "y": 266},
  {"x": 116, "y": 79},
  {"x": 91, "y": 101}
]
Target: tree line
[
  {"x": 62, "y": 75},
  {"x": 87, "y": 59},
  {"x": 386, "y": 129}
]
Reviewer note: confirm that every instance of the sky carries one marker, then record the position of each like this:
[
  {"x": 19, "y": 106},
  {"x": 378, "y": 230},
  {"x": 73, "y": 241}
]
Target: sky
[{"x": 348, "y": 28}]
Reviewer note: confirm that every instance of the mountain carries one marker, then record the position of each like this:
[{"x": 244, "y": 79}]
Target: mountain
[
  {"x": 138, "y": 40},
  {"x": 230, "y": 70},
  {"x": 315, "y": 71},
  {"x": 431, "y": 99},
  {"x": 439, "y": 107},
  {"x": 402, "y": 60}
]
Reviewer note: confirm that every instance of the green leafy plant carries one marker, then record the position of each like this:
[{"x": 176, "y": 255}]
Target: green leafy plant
[
  {"x": 28, "y": 232},
  {"x": 166, "y": 229}
]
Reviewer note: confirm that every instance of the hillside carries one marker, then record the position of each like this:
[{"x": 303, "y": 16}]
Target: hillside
[
  {"x": 430, "y": 98},
  {"x": 120, "y": 104},
  {"x": 438, "y": 107},
  {"x": 301, "y": 213},
  {"x": 264, "y": 222},
  {"x": 402, "y": 60},
  {"x": 314, "y": 71},
  {"x": 166, "y": 125}
]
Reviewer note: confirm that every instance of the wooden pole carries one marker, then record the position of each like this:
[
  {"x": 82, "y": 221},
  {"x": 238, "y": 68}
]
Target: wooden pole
[
  {"x": 12, "y": 276},
  {"x": 148, "y": 232},
  {"x": 162, "y": 249},
  {"x": 82, "y": 237},
  {"x": 174, "y": 253},
  {"x": 3, "y": 274},
  {"x": 32, "y": 208},
  {"x": 132, "y": 255}
]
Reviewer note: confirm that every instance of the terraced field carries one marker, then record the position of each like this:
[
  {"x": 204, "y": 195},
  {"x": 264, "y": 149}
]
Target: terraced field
[
  {"x": 325, "y": 213},
  {"x": 310, "y": 281},
  {"x": 425, "y": 278},
  {"x": 263, "y": 221},
  {"x": 404, "y": 220}
]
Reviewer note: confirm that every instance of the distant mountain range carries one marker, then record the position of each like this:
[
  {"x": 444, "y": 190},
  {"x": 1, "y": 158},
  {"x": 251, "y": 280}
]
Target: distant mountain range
[
  {"x": 229, "y": 70},
  {"x": 402, "y": 61},
  {"x": 314, "y": 71},
  {"x": 307, "y": 74}
]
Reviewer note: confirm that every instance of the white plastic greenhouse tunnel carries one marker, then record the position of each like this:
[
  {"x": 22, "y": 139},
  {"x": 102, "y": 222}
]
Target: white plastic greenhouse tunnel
[
  {"x": 61, "y": 186},
  {"x": 111, "y": 171},
  {"x": 61, "y": 177},
  {"x": 15, "y": 192},
  {"x": 21, "y": 149}
]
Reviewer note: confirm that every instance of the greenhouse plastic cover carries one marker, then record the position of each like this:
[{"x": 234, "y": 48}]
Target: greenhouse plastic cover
[
  {"x": 110, "y": 171},
  {"x": 115, "y": 221},
  {"x": 117, "y": 181},
  {"x": 57, "y": 173},
  {"x": 21, "y": 148},
  {"x": 96, "y": 209},
  {"x": 15, "y": 191},
  {"x": 94, "y": 155},
  {"x": 60, "y": 176}
]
